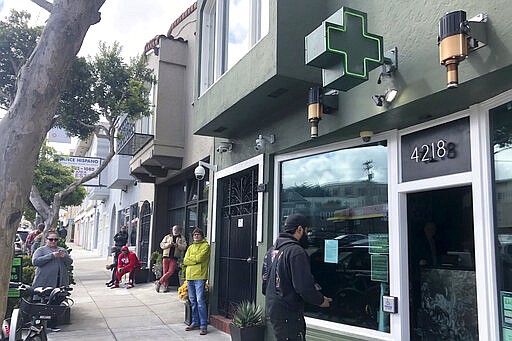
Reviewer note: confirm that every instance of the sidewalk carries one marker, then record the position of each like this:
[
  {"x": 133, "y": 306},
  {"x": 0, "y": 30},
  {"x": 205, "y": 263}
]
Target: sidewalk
[{"x": 104, "y": 314}]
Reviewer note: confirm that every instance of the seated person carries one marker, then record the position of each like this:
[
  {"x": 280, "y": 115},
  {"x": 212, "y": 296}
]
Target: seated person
[{"x": 127, "y": 262}]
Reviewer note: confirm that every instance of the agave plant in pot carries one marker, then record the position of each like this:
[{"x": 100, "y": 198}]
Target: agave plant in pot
[{"x": 247, "y": 323}]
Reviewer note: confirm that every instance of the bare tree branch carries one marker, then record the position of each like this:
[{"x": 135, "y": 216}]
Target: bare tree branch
[
  {"x": 44, "y": 4},
  {"x": 37, "y": 201}
]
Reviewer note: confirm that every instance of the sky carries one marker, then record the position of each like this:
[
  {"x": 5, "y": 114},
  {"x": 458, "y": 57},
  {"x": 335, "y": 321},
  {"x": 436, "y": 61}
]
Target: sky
[{"x": 130, "y": 22}]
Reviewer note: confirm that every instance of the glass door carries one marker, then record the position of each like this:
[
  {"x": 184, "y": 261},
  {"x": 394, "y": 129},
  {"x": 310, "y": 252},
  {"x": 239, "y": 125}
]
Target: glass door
[{"x": 442, "y": 279}]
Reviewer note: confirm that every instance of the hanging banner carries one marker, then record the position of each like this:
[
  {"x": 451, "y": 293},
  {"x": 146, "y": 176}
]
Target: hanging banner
[{"x": 83, "y": 166}]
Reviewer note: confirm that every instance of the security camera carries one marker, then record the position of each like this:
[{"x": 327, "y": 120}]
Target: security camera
[
  {"x": 224, "y": 147},
  {"x": 262, "y": 140},
  {"x": 199, "y": 172},
  {"x": 366, "y": 135},
  {"x": 260, "y": 144}
]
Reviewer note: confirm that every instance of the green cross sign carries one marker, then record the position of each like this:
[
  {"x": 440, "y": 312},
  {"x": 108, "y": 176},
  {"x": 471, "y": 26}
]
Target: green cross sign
[{"x": 344, "y": 50}]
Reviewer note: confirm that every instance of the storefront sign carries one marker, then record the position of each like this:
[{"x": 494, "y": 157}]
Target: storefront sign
[
  {"x": 343, "y": 49},
  {"x": 83, "y": 166},
  {"x": 440, "y": 150},
  {"x": 16, "y": 272}
]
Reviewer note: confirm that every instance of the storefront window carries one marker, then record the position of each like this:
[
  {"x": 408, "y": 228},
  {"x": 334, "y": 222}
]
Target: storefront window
[
  {"x": 501, "y": 144},
  {"x": 345, "y": 194},
  {"x": 188, "y": 204}
]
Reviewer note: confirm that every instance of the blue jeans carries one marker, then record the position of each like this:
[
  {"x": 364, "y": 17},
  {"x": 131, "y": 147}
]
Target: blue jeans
[{"x": 197, "y": 299}]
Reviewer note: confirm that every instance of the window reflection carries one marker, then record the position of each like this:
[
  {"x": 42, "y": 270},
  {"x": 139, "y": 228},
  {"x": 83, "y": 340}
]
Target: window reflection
[
  {"x": 501, "y": 144},
  {"x": 344, "y": 193}
]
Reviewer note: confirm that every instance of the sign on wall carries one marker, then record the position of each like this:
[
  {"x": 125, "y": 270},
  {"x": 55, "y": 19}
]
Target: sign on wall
[
  {"x": 440, "y": 150},
  {"x": 344, "y": 49},
  {"x": 83, "y": 166}
]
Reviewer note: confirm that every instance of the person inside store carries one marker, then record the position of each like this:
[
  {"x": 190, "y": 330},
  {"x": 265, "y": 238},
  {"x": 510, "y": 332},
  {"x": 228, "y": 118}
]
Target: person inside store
[
  {"x": 196, "y": 261},
  {"x": 114, "y": 253},
  {"x": 127, "y": 263},
  {"x": 174, "y": 246},
  {"x": 52, "y": 264},
  {"x": 121, "y": 237},
  {"x": 288, "y": 282},
  {"x": 430, "y": 250}
]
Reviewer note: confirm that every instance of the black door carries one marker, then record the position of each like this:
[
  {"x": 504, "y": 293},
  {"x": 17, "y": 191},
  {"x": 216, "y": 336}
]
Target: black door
[
  {"x": 237, "y": 240},
  {"x": 145, "y": 220}
]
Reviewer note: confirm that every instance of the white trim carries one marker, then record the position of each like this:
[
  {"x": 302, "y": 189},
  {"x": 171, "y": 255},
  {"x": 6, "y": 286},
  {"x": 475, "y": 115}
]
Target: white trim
[
  {"x": 257, "y": 160},
  {"x": 485, "y": 258}
]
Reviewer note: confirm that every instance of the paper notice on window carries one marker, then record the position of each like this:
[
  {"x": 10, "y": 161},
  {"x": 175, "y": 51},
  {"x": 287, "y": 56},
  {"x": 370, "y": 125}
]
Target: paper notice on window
[{"x": 331, "y": 251}]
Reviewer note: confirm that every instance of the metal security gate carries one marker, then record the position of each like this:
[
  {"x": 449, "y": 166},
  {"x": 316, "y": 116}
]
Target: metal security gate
[
  {"x": 145, "y": 221},
  {"x": 237, "y": 240}
]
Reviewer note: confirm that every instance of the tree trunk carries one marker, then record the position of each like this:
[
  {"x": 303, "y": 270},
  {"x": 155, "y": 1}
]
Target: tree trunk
[{"x": 24, "y": 127}]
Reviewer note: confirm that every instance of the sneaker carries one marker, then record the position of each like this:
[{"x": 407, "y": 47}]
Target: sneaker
[
  {"x": 129, "y": 286},
  {"x": 203, "y": 331},
  {"x": 54, "y": 329},
  {"x": 115, "y": 285},
  {"x": 191, "y": 327},
  {"x": 157, "y": 286},
  {"x": 166, "y": 288}
]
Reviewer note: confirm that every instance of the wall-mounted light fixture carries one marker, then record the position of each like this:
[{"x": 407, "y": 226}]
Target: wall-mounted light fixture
[
  {"x": 224, "y": 147},
  {"x": 387, "y": 98},
  {"x": 458, "y": 37},
  {"x": 262, "y": 141},
  {"x": 200, "y": 172},
  {"x": 320, "y": 101}
]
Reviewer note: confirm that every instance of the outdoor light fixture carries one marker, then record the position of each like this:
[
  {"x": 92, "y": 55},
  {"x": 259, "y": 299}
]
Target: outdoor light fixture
[
  {"x": 457, "y": 37},
  {"x": 320, "y": 101},
  {"x": 200, "y": 172},
  {"x": 262, "y": 140},
  {"x": 315, "y": 109},
  {"x": 387, "y": 98}
]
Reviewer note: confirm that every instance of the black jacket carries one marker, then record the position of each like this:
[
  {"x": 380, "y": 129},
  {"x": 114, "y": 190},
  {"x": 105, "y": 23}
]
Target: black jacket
[
  {"x": 287, "y": 279},
  {"x": 121, "y": 238}
]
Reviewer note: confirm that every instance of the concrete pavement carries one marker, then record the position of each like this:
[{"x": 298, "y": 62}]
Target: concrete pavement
[{"x": 104, "y": 314}]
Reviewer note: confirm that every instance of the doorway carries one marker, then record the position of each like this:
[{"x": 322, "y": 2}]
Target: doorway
[
  {"x": 442, "y": 280},
  {"x": 237, "y": 275}
]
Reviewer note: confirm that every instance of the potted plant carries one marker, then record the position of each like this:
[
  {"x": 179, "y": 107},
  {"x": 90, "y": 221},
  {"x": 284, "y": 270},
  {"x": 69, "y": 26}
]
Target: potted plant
[
  {"x": 157, "y": 261},
  {"x": 247, "y": 323}
]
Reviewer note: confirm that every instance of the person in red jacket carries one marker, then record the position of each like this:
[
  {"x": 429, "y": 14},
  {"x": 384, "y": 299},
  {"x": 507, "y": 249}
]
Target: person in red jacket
[{"x": 127, "y": 262}]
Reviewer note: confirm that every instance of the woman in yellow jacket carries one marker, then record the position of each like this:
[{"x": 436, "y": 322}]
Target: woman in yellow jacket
[{"x": 196, "y": 261}]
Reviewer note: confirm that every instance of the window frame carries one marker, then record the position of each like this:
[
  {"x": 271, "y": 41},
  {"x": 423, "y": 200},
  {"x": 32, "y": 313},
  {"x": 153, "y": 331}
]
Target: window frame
[
  {"x": 214, "y": 39},
  {"x": 391, "y": 138}
]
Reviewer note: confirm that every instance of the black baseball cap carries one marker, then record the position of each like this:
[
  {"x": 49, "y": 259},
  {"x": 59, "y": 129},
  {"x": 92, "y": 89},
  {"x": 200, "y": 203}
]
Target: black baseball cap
[{"x": 295, "y": 220}]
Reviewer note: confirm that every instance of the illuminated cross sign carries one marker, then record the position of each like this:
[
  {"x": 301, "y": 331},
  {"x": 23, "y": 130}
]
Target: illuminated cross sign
[{"x": 344, "y": 50}]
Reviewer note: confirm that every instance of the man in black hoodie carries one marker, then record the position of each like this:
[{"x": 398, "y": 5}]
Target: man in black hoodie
[{"x": 288, "y": 282}]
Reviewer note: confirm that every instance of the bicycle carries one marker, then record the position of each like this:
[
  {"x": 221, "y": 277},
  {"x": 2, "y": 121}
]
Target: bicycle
[{"x": 44, "y": 304}]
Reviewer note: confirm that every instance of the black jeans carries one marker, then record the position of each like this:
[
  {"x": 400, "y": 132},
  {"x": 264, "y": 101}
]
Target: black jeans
[{"x": 289, "y": 329}]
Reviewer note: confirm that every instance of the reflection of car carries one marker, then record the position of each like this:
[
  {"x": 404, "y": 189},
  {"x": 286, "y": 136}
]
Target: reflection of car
[
  {"x": 18, "y": 246},
  {"x": 23, "y": 233},
  {"x": 356, "y": 296}
]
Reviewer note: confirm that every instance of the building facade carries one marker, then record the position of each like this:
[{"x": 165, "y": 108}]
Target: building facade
[
  {"x": 170, "y": 152},
  {"x": 408, "y": 198}
]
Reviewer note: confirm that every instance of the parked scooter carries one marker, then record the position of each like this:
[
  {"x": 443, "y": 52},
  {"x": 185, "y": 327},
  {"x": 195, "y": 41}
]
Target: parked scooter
[{"x": 37, "y": 307}]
